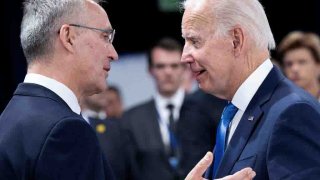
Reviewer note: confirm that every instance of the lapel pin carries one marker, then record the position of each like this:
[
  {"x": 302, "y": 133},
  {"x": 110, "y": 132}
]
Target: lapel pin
[
  {"x": 250, "y": 118},
  {"x": 101, "y": 128}
]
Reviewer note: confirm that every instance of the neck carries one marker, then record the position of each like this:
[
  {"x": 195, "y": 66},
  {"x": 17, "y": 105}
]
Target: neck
[
  {"x": 314, "y": 89},
  {"x": 167, "y": 94},
  {"x": 57, "y": 74},
  {"x": 249, "y": 63}
]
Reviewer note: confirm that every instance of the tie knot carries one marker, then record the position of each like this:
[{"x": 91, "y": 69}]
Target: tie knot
[
  {"x": 170, "y": 106},
  {"x": 229, "y": 111}
]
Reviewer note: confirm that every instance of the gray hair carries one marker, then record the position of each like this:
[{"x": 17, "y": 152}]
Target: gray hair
[
  {"x": 247, "y": 13},
  {"x": 41, "y": 22}
]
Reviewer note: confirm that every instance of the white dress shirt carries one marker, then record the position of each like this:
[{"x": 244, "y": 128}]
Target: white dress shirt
[
  {"x": 57, "y": 87},
  {"x": 88, "y": 113},
  {"x": 246, "y": 91},
  {"x": 161, "y": 105}
]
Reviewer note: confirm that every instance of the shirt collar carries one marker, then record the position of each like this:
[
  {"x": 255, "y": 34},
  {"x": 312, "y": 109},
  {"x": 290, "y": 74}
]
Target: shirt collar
[
  {"x": 250, "y": 86},
  {"x": 57, "y": 87},
  {"x": 176, "y": 99},
  {"x": 88, "y": 113}
]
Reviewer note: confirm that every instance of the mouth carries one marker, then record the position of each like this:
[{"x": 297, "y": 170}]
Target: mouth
[
  {"x": 197, "y": 74},
  {"x": 106, "y": 68},
  {"x": 295, "y": 78}
]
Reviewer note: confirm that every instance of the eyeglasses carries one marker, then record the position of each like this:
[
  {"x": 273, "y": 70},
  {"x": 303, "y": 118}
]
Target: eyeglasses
[{"x": 110, "y": 32}]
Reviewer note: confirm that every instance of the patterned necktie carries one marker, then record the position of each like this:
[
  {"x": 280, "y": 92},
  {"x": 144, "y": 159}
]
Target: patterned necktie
[{"x": 227, "y": 115}]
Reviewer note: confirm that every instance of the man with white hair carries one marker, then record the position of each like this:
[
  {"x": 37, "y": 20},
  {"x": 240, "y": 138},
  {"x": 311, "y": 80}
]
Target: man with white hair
[{"x": 269, "y": 124}]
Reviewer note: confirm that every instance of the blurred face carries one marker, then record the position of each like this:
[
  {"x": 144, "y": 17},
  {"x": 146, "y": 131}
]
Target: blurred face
[
  {"x": 96, "y": 102},
  {"x": 167, "y": 70},
  {"x": 301, "y": 67},
  {"x": 93, "y": 51},
  {"x": 114, "y": 106},
  {"x": 210, "y": 58}
]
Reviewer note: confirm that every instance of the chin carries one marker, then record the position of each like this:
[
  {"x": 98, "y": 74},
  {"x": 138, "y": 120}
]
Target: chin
[
  {"x": 203, "y": 87},
  {"x": 99, "y": 89}
]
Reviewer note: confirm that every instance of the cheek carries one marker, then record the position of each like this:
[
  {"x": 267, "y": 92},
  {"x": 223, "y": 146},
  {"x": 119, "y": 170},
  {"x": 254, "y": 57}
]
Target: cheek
[{"x": 288, "y": 71}]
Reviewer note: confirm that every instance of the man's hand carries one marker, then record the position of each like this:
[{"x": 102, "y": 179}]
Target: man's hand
[
  {"x": 197, "y": 172},
  {"x": 244, "y": 174}
]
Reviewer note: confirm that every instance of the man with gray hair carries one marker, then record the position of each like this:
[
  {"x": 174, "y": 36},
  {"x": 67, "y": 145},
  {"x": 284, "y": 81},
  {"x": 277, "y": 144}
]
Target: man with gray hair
[
  {"x": 68, "y": 47},
  {"x": 269, "y": 124}
]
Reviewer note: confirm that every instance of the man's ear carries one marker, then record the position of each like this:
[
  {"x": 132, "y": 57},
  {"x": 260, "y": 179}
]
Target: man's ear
[
  {"x": 238, "y": 40},
  {"x": 66, "y": 37}
]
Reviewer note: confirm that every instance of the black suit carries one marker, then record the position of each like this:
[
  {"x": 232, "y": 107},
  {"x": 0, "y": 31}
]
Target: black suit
[
  {"x": 42, "y": 138},
  {"x": 112, "y": 143},
  {"x": 195, "y": 133}
]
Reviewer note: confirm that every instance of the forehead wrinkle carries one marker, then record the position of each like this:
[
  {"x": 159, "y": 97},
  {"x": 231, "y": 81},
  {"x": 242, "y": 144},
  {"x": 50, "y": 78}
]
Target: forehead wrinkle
[{"x": 195, "y": 21}]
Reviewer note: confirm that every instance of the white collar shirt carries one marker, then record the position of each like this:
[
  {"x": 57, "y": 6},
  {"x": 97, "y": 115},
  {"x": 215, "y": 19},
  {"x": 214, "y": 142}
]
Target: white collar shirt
[
  {"x": 88, "y": 113},
  {"x": 246, "y": 91},
  {"x": 57, "y": 87},
  {"x": 161, "y": 103}
]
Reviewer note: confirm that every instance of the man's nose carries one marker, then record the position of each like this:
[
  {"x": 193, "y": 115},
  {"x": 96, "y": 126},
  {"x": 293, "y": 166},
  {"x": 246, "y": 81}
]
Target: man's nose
[{"x": 113, "y": 55}]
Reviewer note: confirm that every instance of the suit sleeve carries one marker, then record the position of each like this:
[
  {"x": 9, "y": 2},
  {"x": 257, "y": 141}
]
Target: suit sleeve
[
  {"x": 71, "y": 151},
  {"x": 294, "y": 149}
]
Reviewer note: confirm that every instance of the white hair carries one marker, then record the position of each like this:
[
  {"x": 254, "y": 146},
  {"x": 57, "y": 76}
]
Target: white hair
[
  {"x": 41, "y": 22},
  {"x": 249, "y": 14}
]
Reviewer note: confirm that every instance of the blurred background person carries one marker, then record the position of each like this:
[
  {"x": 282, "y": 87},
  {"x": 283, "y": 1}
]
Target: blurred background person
[
  {"x": 114, "y": 105},
  {"x": 168, "y": 134},
  {"x": 92, "y": 107},
  {"x": 108, "y": 132},
  {"x": 299, "y": 56}
]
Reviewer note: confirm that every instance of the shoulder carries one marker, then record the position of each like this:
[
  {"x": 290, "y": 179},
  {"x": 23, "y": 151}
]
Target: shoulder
[
  {"x": 140, "y": 108},
  {"x": 288, "y": 94},
  {"x": 139, "y": 115},
  {"x": 291, "y": 103},
  {"x": 72, "y": 127}
]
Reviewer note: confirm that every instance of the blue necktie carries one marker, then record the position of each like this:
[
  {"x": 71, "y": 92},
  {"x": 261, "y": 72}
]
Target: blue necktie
[
  {"x": 173, "y": 151},
  {"x": 227, "y": 115}
]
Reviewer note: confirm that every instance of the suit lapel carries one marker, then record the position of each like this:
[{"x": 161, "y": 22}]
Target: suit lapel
[
  {"x": 239, "y": 140},
  {"x": 153, "y": 119},
  {"x": 248, "y": 122}
]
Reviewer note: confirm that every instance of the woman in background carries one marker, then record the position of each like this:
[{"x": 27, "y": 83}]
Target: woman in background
[{"x": 299, "y": 56}]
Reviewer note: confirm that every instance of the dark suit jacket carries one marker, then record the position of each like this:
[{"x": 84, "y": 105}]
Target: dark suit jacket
[
  {"x": 113, "y": 144},
  {"x": 42, "y": 138},
  {"x": 195, "y": 134},
  {"x": 283, "y": 139}
]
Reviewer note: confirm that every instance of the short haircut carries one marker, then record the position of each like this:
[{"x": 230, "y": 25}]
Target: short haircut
[
  {"x": 41, "y": 22},
  {"x": 166, "y": 43},
  {"x": 299, "y": 39}
]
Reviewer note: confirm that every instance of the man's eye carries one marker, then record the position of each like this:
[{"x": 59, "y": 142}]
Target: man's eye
[
  {"x": 159, "y": 66},
  {"x": 105, "y": 36},
  {"x": 194, "y": 42}
]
